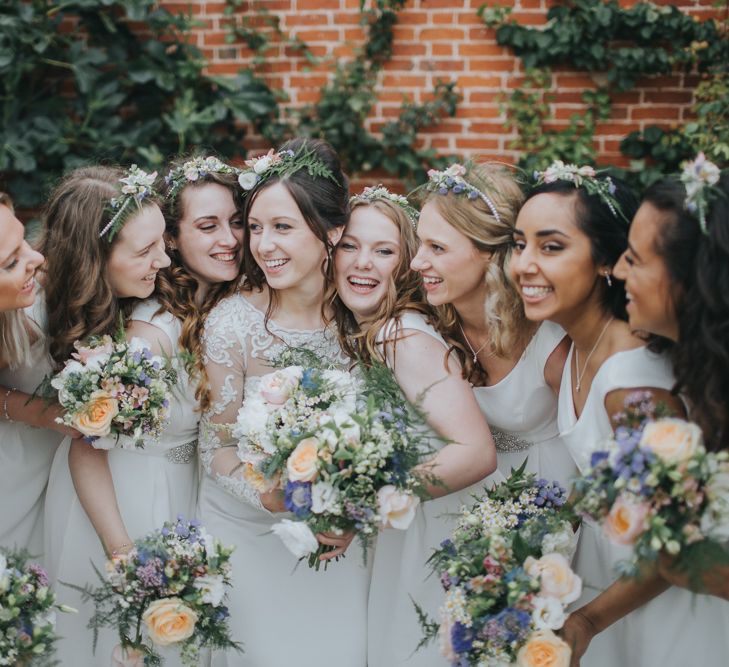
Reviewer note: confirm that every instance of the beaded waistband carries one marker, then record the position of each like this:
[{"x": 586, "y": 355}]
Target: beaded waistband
[
  {"x": 184, "y": 453},
  {"x": 507, "y": 442}
]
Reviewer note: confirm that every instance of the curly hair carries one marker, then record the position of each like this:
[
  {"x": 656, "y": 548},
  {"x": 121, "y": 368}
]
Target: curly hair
[
  {"x": 79, "y": 298},
  {"x": 698, "y": 267},
  {"x": 323, "y": 202},
  {"x": 506, "y": 323},
  {"x": 404, "y": 293},
  {"x": 176, "y": 289}
]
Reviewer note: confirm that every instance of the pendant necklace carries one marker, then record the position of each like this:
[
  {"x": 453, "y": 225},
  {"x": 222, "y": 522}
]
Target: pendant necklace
[
  {"x": 470, "y": 347},
  {"x": 577, "y": 356}
]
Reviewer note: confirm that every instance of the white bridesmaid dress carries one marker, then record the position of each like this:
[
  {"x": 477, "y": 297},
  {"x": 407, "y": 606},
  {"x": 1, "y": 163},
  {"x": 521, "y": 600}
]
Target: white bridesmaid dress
[
  {"x": 677, "y": 628},
  {"x": 152, "y": 485},
  {"x": 283, "y": 612},
  {"x": 399, "y": 572},
  {"x": 521, "y": 410},
  {"x": 26, "y": 453}
]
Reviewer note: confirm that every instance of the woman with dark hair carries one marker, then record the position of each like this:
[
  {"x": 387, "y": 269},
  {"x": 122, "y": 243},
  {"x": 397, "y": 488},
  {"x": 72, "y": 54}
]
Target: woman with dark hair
[
  {"x": 569, "y": 235},
  {"x": 296, "y": 207},
  {"x": 676, "y": 272}
]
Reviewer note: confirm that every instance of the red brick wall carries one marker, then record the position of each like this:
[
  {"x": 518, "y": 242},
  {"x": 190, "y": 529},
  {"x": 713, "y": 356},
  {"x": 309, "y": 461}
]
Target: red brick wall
[{"x": 440, "y": 39}]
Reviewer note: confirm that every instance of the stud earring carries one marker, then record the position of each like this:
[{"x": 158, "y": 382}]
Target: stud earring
[{"x": 608, "y": 280}]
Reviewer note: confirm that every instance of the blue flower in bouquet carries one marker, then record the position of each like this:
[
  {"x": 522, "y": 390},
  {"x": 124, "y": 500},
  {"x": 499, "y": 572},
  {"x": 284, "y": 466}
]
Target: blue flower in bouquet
[
  {"x": 598, "y": 457},
  {"x": 509, "y": 625},
  {"x": 549, "y": 494},
  {"x": 399, "y": 471},
  {"x": 308, "y": 380},
  {"x": 297, "y": 498},
  {"x": 461, "y": 638}
]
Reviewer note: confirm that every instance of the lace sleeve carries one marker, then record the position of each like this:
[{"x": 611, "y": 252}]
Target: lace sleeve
[{"x": 225, "y": 357}]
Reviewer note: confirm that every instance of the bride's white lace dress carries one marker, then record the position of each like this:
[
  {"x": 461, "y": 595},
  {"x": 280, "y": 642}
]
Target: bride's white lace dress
[{"x": 283, "y": 613}]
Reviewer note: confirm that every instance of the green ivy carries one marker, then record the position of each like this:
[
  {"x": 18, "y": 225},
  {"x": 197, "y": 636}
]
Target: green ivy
[{"x": 107, "y": 91}]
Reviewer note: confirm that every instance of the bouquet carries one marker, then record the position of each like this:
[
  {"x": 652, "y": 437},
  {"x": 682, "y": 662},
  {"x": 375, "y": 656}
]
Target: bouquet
[
  {"x": 169, "y": 590},
  {"x": 342, "y": 447},
  {"x": 654, "y": 486},
  {"x": 507, "y": 577},
  {"x": 27, "y": 611},
  {"x": 115, "y": 387}
]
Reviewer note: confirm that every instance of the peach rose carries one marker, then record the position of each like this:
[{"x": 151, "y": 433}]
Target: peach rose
[
  {"x": 126, "y": 657},
  {"x": 276, "y": 388},
  {"x": 302, "y": 462},
  {"x": 625, "y": 521},
  {"x": 169, "y": 621},
  {"x": 673, "y": 440},
  {"x": 96, "y": 419},
  {"x": 396, "y": 508},
  {"x": 555, "y": 576},
  {"x": 544, "y": 649}
]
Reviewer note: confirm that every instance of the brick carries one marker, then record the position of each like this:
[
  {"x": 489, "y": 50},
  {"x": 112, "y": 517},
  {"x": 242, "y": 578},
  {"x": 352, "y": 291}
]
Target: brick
[
  {"x": 655, "y": 113},
  {"x": 442, "y": 65},
  {"x": 307, "y": 19},
  {"x": 482, "y": 143},
  {"x": 318, "y": 35},
  {"x": 441, "y": 49},
  {"x": 441, "y": 34}
]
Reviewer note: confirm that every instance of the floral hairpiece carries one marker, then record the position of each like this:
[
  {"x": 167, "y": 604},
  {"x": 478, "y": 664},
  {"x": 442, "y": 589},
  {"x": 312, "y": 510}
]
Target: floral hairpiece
[
  {"x": 283, "y": 163},
  {"x": 137, "y": 185},
  {"x": 699, "y": 177},
  {"x": 451, "y": 180},
  {"x": 371, "y": 194},
  {"x": 582, "y": 177},
  {"x": 192, "y": 171}
]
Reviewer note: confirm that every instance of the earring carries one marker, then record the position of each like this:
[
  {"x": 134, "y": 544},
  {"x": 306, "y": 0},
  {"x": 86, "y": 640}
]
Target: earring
[{"x": 608, "y": 280}]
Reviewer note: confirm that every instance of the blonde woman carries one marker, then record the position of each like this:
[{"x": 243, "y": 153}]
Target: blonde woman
[{"x": 466, "y": 237}]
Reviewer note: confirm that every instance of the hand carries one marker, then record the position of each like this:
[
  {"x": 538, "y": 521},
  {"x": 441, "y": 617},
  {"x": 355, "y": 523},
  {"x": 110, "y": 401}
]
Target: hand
[
  {"x": 714, "y": 581},
  {"x": 339, "y": 542},
  {"x": 578, "y": 632},
  {"x": 273, "y": 500}
]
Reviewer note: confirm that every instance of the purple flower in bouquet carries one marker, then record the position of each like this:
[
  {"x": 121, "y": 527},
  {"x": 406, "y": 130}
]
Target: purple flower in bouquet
[
  {"x": 509, "y": 625},
  {"x": 461, "y": 638},
  {"x": 297, "y": 498}
]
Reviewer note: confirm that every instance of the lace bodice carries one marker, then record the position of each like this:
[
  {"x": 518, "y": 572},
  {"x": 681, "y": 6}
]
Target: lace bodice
[{"x": 239, "y": 347}]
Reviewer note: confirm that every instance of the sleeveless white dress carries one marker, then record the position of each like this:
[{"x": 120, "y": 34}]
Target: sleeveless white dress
[
  {"x": 284, "y": 613},
  {"x": 153, "y": 485},
  {"x": 521, "y": 410},
  {"x": 677, "y": 628},
  {"x": 399, "y": 573},
  {"x": 26, "y": 453}
]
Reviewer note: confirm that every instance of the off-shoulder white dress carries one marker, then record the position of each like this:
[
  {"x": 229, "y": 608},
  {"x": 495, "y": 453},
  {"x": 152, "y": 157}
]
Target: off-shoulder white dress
[{"x": 284, "y": 613}]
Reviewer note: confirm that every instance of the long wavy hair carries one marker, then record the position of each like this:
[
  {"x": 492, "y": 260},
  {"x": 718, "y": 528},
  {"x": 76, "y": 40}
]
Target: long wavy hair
[
  {"x": 506, "y": 323},
  {"x": 176, "y": 288},
  {"x": 79, "y": 298},
  {"x": 324, "y": 205},
  {"x": 404, "y": 293},
  {"x": 698, "y": 267},
  {"x": 16, "y": 330}
]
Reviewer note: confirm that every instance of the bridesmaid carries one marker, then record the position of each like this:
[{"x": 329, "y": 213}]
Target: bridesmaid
[
  {"x": 568, "y": 237},
  {"x": 382, "y": 316},
  {"x": 296, "y": 207},
  {"x": 25, "y": 452},
  {"x": 466, "y": 234}
]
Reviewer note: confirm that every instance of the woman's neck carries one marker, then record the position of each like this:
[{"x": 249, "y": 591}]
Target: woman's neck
[
  {"x": 586, "y": 325},
  {"x": 471, "y": 311},
  {"x": 299, "y": 307}
]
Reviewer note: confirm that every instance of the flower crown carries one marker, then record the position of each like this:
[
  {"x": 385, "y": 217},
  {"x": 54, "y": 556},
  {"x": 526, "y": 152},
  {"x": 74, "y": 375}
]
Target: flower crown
[
  {"x": 192, "y": 171},
  {"x": 583, "y": 177},
  {"x": 699, "y": 177},
  {"x": 282, "y": 164},
  {"x": 371, "y": 194},
  {"x": 451, "y": 180},
  {"x": 137, "y": 185}
]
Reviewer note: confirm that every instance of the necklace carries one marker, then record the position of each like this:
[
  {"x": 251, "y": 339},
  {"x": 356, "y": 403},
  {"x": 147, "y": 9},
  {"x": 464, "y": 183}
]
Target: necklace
[
  {"x": 470, "y": 347},
  {"x": 577, "y": 356}
]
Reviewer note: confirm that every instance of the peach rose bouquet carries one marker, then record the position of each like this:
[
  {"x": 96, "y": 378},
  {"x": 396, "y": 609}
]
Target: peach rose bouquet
[
  {"x": 507, "y": 578},
  {"x": 653, "y": 486},
  {"x": 115, "y": 392},
  {"x": 167, "y": 593}
]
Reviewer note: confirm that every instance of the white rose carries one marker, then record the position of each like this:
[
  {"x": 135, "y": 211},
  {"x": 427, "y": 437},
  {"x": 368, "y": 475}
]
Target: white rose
[
  {"x": 212, "y": 588},
  {"x": 276, "y": 388},
  {"x": 563, "y": 541},
  {"x": 324, "y": 497},
  {"x": 715, "y": 520},
  {"x": 556, "y": 578},
  {"x": 296, "y": 536},
  {"x": 548, "y": 613},
  {"x": 672, "y": 440},
  {"x": 192, "y": 174},
  {"x": 262, "y": 164},
  {"x": 396, "y": 508},
  {"x": 247, "y": 180},
  {"x": 72, "y": 366}
]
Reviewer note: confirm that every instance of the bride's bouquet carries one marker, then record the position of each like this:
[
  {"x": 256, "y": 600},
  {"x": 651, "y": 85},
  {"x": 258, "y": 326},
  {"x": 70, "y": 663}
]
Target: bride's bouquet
[
  {"x": 507, "y": 577},
  {"x": 342, "y": 447},
  {"x": 115, "y": 387},
  {"x": 168, "y": 591},
  {"x": 27, "y": 611},
  {"x": 654, "y": 486}
]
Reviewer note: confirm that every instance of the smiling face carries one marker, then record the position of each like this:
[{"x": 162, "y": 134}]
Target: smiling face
[
  {"x": 282, "y": 243},
  {"x": 138, "y": 254},
  {"x": 210, "y": 236},
  {"x": 18, "y": 263},
  {"x": 452, "y": 268},
  {"x": 365, "y": 260},
  {"x": 552, "y": 262},
  {"x": 647, "y": 282}
]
